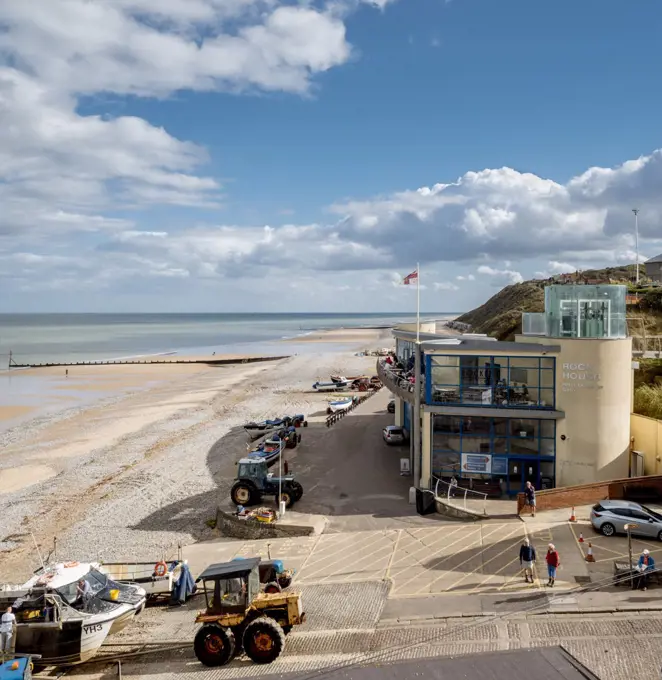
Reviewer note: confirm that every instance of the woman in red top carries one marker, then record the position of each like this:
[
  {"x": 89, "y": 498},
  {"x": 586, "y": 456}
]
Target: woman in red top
[{"x": 553, "y": 563}]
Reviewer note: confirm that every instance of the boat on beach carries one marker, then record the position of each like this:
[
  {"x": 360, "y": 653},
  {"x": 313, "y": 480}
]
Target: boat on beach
[
  {"x": 333, "y": 386},
  {"x": 155, "y": 578},
  {"x": 340, "y": 405},
  {"x": 64, "y": 623}
]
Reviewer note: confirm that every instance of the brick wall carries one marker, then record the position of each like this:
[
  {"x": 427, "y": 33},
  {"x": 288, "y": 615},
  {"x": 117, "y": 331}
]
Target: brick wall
[{"x": 636, "y": 489}]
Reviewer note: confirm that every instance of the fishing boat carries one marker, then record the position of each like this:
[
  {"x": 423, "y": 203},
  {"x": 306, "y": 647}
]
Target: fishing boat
[
  {"x": 340, "y": 405},
  {"x": 64, "y": 623},
  {"x": 333, "y": 386},
  {"x": 155, "y": 578}
]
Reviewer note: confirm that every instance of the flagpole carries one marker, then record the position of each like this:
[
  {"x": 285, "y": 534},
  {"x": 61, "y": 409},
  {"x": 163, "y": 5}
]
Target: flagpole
[{"x": 418, "y": 301}]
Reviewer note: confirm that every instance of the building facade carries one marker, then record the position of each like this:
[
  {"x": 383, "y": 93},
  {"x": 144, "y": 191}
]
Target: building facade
[{"x": 553, "y": 407}]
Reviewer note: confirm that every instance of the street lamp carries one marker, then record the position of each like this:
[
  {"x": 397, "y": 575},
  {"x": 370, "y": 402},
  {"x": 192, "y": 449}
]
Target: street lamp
[
  {"x": 281, "y": 502},
  {"x": 636, "y": 238}
]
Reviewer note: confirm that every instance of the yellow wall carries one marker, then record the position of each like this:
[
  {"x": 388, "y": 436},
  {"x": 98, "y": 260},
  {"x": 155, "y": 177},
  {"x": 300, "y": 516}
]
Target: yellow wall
[
  {"x": 426, "y": 451},
  {"x": 647, "y": 434}
]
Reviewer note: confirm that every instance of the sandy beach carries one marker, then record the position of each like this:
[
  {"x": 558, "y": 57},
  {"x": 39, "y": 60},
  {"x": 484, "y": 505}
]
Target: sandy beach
[{"x": 91, "y": 475}]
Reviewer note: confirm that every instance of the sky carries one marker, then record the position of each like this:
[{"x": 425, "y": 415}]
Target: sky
[{"x": 268, "y": 155}]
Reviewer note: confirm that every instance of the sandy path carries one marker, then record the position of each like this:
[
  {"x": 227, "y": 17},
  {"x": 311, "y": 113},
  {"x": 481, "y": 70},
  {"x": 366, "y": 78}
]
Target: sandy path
[{"x": 120, "y": 467}]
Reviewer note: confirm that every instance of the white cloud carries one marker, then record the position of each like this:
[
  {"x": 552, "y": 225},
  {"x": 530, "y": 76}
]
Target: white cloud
[
  {"x": 468, "y": 277},
  {"x": 445, "y": 285},
  {"x": 61, "y": 168},
  {"x": 501, "y": 277}
]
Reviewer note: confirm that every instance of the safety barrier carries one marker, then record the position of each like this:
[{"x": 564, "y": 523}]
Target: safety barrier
[
  {"x": 459, "y": 497},
  {"x": 333, "y": 418}
]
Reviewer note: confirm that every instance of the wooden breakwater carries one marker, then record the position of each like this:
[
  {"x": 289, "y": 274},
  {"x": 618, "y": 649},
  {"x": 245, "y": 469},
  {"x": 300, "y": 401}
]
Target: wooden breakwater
[{"x": 126, "y": 362}]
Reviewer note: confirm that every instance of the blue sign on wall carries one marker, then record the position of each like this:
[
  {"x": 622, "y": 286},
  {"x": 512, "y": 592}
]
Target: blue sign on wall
[{"x": 499, "y": 466}]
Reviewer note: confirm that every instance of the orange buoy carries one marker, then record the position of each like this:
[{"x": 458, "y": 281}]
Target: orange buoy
[{"x": 160, "y": 568}]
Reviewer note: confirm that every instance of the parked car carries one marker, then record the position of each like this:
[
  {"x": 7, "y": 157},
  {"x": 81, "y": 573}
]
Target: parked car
[
  {"x": 391, "y": 406},
  {"x": 610, "y": 517},
  {"x": 394, "y": 434}
]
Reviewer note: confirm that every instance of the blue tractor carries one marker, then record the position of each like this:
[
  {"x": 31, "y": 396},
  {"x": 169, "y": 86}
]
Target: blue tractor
[{"x": 255, "y": 481}]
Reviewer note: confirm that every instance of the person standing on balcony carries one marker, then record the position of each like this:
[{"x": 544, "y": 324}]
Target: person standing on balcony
[
  {"x": 527, "y": 558},
  {"x": 530, "y": 493},
  {"x": 553, "y": 563}
]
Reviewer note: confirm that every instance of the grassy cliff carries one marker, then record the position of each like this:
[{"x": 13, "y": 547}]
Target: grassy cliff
[{"x": 501, "y": 315}]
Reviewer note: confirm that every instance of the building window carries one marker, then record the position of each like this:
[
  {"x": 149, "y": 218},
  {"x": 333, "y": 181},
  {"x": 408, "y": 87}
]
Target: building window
[
  {"x": 506, "y": 440},
  {"x": 497, "y": 381}
]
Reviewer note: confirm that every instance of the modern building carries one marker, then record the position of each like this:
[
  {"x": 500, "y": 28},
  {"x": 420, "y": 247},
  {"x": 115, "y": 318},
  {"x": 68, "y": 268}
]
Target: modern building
[
  {"x": 553, "y": 407},
  {"x": 654, "y": 268}
]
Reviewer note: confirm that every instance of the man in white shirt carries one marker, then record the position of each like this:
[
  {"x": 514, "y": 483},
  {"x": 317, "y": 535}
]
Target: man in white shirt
[{"x": 7, "y": 625}]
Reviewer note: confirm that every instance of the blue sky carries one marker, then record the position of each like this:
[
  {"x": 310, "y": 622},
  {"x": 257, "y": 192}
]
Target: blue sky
[{"x": 142, "y": 172}]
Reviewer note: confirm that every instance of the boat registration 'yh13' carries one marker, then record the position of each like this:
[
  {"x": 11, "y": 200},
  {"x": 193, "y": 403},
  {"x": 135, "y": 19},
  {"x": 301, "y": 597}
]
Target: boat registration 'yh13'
[{"x": 65, "y": 611}]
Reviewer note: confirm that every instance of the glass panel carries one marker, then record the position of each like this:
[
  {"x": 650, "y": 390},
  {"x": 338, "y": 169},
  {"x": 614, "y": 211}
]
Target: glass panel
[
  {"x": 500, "y": 445},
  {"x": 524, "y": 428},
  {"x": 546, "y": 398},
  {"x": 479, "y": 425},
  {"x": 524, "y": 447},
  {"x": 547, "y": 428},
  {"x": 533, "y": 323},
  {"x": 443, "y": 423},
  {"x": 585, "y": 311},
  {"x": 445, "y": 442},
  {"x": 547, "y": 362},
  {"x": 501, "y": 426},
  {"x": 547, "y": 447},
  {"x": 445, "y": 463}
]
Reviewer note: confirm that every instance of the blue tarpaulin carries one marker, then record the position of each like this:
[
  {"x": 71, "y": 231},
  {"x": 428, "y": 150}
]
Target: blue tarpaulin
[{"x": 183, "y": 587}]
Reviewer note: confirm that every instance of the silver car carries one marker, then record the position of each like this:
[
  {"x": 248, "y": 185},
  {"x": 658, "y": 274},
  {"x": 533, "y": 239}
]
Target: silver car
[
  {"x": 394, "y": 434},
  {"x": 610, "y": 517}
]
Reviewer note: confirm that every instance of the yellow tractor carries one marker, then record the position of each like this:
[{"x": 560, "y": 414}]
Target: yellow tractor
[{"x": 240, "y": 616}]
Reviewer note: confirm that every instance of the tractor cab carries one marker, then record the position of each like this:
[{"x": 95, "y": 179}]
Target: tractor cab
[
  {"x": 255, "y": 470},
  {"x": 230, "y": 588}
]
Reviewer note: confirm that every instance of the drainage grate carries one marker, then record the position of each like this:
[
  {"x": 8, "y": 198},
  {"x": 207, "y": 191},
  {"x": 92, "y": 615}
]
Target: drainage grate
[{"x": 583, "y": 579}]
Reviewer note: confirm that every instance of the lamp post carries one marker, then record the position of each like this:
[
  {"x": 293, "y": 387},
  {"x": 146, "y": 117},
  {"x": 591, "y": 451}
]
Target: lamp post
[
  {"x": 636, "y": 238},
  {"x": 628, "y": 528},
  {"x": 281, "y": 502}
]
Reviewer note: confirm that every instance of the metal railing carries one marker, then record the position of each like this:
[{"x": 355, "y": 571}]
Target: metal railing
[
  {"x": 459, "y": 497},
  {"x": 396, "y": 383}
]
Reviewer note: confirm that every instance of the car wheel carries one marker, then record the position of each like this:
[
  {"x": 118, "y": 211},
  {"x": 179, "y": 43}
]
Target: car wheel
[
  {"x": 659, "y": 536},
  {"x": 607, "y": 529}
]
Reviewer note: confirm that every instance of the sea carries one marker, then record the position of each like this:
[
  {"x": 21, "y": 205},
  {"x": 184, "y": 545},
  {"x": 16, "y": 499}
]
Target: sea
[{"x": 59, "y": 338}]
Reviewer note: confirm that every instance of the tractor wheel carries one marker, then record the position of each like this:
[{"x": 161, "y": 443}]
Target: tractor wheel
[
  {"x": 297, "y": 491},
  {"x": 287, "y": 497},
  {"x": 299, "y": 439},
  {"x": 305, "y": 423},
  {"x": 244, "y": 493},
  {"x": 272, "y": 587},
  {"x": 264, "y": 640},
  {"x": 214, "y": 645}
]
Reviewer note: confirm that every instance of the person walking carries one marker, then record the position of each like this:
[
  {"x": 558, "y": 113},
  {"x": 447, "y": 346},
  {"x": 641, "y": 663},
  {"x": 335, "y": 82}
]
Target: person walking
[
  {"x": 527, "y": 558},
  {"x": 553, "y": 563},
  {"x": 530, "y": 493},
  {"x": 645, "y": 567},
  {"x": 7, "y": 626}
]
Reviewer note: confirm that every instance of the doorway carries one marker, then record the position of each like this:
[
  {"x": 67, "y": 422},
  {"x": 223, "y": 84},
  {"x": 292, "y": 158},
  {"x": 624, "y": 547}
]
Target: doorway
[{"x": 521, "y": 471}]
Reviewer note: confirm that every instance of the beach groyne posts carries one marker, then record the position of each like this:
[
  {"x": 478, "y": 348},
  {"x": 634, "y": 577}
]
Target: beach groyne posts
[
  {"x": 127, "y": 362},
  {"x": 339, "y": 415}
]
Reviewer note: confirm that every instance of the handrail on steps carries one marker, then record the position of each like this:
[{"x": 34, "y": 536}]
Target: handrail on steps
[{"x": 452, "y": 491}]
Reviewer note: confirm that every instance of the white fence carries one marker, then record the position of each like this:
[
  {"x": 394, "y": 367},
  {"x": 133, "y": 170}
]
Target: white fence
[{"x": 454, "y": 495}]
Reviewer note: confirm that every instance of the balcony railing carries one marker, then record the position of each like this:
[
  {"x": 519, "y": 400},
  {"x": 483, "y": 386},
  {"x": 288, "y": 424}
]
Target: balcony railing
[{"x": 396, "y": 383}]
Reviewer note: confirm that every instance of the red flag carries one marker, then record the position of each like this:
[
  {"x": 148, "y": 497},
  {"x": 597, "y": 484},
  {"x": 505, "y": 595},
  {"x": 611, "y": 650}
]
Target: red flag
[{"x": 411, "y": 278}]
